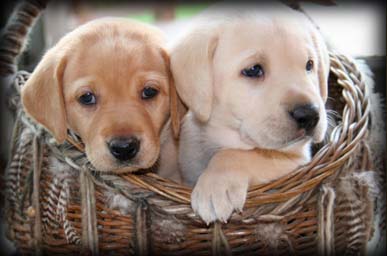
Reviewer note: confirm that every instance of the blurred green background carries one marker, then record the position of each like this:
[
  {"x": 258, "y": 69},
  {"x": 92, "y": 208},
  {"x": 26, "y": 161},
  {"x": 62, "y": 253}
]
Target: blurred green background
[{"x": 183, "y": 11}]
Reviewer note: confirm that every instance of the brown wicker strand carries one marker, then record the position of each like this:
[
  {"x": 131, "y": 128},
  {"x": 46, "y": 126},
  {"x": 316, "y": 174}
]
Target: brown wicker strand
[
  {"x": 326, "y": 222},
  {"x": 89, "y": 222},
  {"x": 220, "y": 245},
  {"x": 35, "y": 194},
  {"x": 141, "y": 229},
  {"x": 13, "y": 37}
]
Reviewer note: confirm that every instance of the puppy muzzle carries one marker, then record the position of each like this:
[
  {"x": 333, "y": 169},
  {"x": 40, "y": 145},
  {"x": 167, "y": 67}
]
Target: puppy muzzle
[
  {"x": 124, "y": 149},
  {"x": 306, "y": 117}
]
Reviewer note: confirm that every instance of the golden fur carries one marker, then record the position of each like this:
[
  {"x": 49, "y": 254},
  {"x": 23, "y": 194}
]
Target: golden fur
[{"x": 115, "y": 59}]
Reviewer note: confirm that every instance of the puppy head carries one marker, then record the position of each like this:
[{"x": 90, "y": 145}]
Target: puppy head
[
  {"x": 261, "y": 73},
  {"x": 109, "y": 82}
]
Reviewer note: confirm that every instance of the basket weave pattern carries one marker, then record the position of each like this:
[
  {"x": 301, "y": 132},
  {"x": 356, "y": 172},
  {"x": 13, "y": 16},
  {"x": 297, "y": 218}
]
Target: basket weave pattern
[{"x": 323, "y": 205}]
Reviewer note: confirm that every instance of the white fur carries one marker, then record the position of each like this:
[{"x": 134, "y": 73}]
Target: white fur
[
  {"x": 238, "y": 131},
  {"x": 119, "y": 202}
]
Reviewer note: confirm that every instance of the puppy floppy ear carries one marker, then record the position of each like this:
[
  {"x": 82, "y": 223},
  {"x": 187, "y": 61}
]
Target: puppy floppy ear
[
  {"x": 323, "y": 63},
  {"x": 191, "y": 64},
  {"x": 42, "y": 95},
  {"x": 177, "y": 109}
]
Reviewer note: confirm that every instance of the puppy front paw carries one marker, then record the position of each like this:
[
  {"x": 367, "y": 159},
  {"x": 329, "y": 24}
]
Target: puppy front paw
[{"x": 217, "y": 194}]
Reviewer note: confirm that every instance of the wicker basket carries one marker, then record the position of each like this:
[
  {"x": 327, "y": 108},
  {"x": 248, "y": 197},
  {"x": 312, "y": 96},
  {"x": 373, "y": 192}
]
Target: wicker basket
[{"x": 324, "y": 206}]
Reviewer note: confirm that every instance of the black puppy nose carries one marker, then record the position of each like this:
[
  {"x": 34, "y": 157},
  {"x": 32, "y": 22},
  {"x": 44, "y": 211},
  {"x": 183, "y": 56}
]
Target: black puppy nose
[
  {"x": 306, "y": 116},
  {"x": 124, "y": 148}
]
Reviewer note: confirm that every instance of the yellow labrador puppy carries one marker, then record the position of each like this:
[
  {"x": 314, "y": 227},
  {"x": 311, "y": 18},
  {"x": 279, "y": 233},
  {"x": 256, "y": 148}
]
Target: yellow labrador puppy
[
  {"x": 255, "y": 82},
  {"x": 109, "y": 82}
]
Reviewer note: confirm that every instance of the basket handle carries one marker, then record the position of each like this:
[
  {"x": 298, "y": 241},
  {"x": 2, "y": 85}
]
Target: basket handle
[{"x": 14, "y": 35}]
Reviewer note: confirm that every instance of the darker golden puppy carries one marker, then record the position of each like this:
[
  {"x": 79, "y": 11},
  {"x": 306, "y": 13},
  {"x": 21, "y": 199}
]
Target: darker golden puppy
[{"x": 109, "y": 82}]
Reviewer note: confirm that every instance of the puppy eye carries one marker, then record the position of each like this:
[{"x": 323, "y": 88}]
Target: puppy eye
[
  {"x": 148, "y": 93},
  {"x": 87, "y": 99},
  {"x": 255, "y": 71},
  {"x": 309, "y": 65}
]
